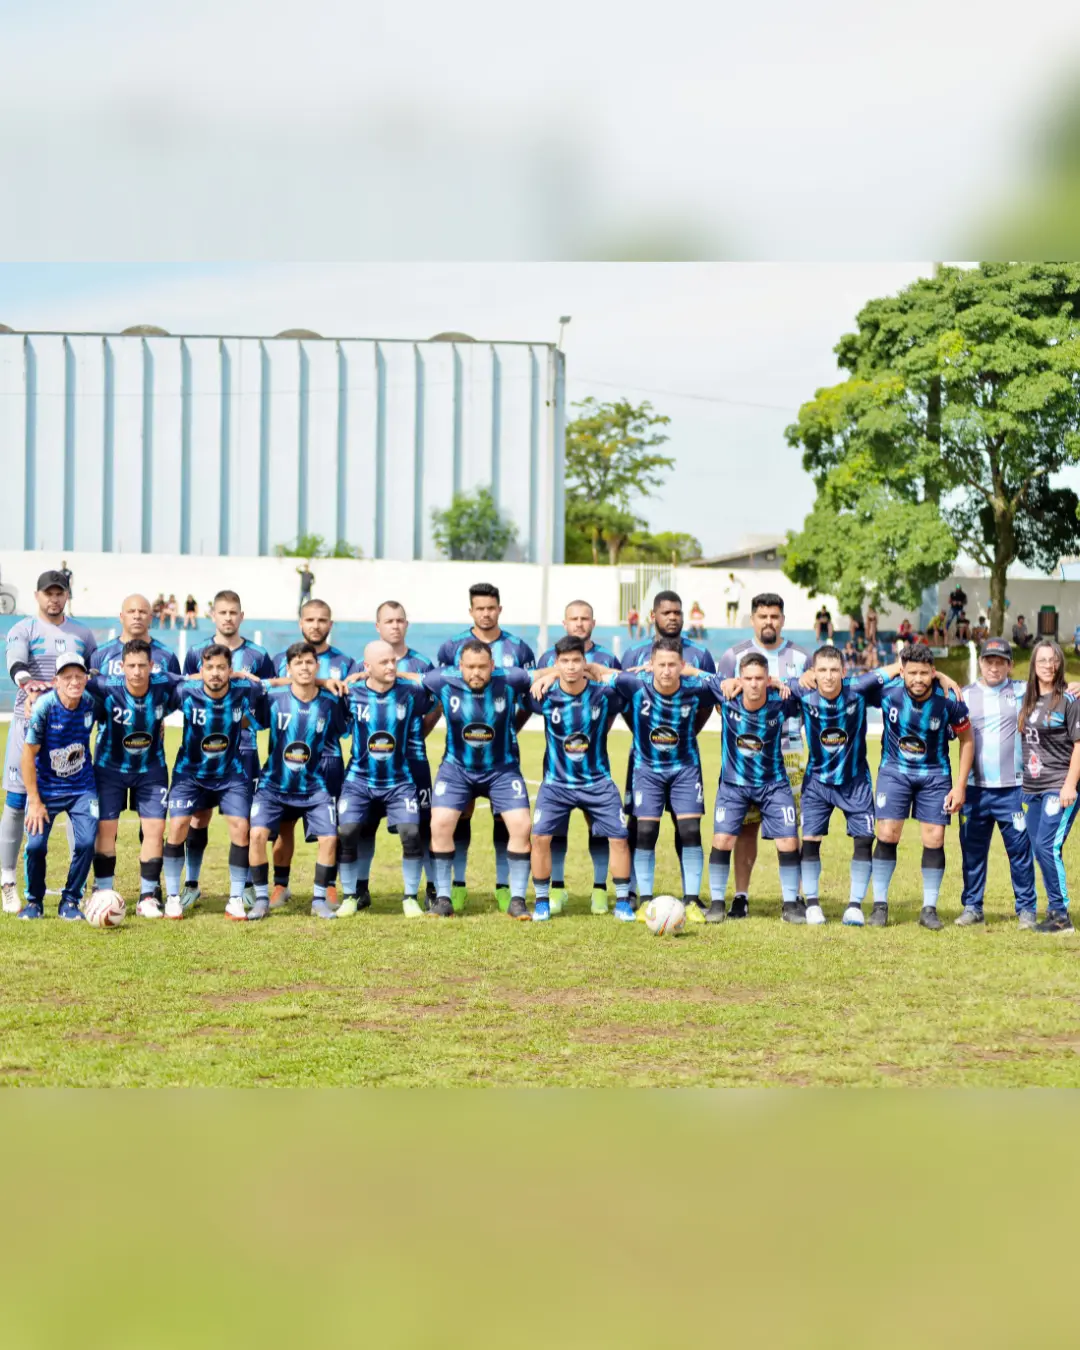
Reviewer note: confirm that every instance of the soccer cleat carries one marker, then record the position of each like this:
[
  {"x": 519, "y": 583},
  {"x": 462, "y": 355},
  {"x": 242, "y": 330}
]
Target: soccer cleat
[
  {"x": 280, "y": 897},
  {"x": 740, "y": 908},
  {"x": 173, "y": 908},
  {"x": 716, "y": 912},
  {"x": 518, "y": 909},
  {"x": 502, "y": 899},
  {"x": 410, "y": 907},
  {"x": 442, "y": 907},
  {"x": 347, "y": 908},
  {"x": 853, "y": 917},
  {"x": 148, "y": 908},
  {"x": 70, "y": 912},
  {"x": 623, "y": 912},
  {"x": 431, "y": 893},
  {"x": 800, "y": 908},
  {"x": 928, "y": 918},
  {"x": 11, "y": 902},
  {"x": 815, "y": 914},
  {"x": 459, "y": 897},
  {"x": 32, "y": 910},
  {"x": 541, "y": 911},
  {"x": 969, "y": 915},
  {"x": 190, "y": 895},
  {"x": 249, "y": 895},
  {"x": 791, "y": 913},
  {"x": 879, "y": 915},
  {"x": 331, "y": 895},
  {"x": 598, "y": 904},
  {"x": 363, "y": 899},
  {"x": 1027, "y": 921},
  {"x": 695, "y": 910},
  {"x": 557, "y": 899},
  {"x": 639, "y": 913},
  {"x": 235, "y": 909},
  {"x": 1056, "y": 921},
  {"x": 320, "y": 909}
]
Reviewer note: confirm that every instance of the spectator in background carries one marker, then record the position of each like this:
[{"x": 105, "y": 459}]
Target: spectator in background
[
  {"x": 1021, "y": 637},
  {"x": 851, "y": 657},
  {"x": 697, "y": 622},
  {"x": 871, "y": 625},
  {"x": 65, "y": 572},
  {"x": 633, "y": 623},
  {"x": 957, "y": 601},
  {"x": 157, "y": 609},
  {"x": 823, "y": 625},
  {"x": 936, "y": 634},
  {"x": 963, "y": 628},
  {"x": 871, "y": 660},
  {"x": 307, "y": 581},
  {"x": 171, "y": 610},
  {"x": 905, "y": 632},
  {"x": 856, "y": 627},
  {"x": 1076, "y": 640},
  {"x": 732, "y": 599},
  {"x": 980, "y": 632},
  {"x": 191, "y": 612}
]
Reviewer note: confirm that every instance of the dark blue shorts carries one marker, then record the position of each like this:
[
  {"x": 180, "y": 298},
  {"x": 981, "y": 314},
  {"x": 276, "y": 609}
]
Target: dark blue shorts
[
  {"x": 361, "y": 804},
  {"x": 249, "y": 758},
  {"x": 775, "y": 801},
  {"x": 332, "y": 768},
  {"x": 899, "y": 797},
  {"x": 146, "y": 793},
  {"x": 231, "y": 796},
  {"x": 856, "y": 801},
  {"x": 421, "y": 776},
  {"x": 506, "y": 789},
  {"x": 601, "y": 804},
  {"x": 681, "y": 791},
  {"x": 317, "y": 810}
]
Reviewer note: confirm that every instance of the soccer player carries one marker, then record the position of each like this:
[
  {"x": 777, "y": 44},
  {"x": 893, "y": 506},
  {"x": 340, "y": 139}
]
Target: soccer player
[
  {"x": 129, "y": 765},
  {"x": 577, "y": 716},
  {"x": 915, "y": 777},
  {"x": 479, "y": 704},
  {"x": 135, "y": 615},
  {"x": 579, "y": 622},
  {"x": 753, "y": 773},
  {"x": 785, "y": 660},
  {"x": 210, "y": 771},
  {"x": 665, "y": 710},
  {"x": 316, "y": 625},
  {"x": 378, "y": 783},
  {"x": 227, "y": 615},
  {"x": 302, "y": 717},
  {"x": 507, "y": 651},
  {"x": 995, "y": 788},
  {"x": 60, "y": 780},
  {"x": 1049, "y": 721},
  {"x": 33, "y": 647}
]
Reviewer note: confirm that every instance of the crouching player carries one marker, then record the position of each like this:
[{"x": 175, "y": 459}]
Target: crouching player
[
  {"x": 577, "y": 714},
  {"x": 378, "y": 782},
  {"x": 915, "y": 778},
  {"x": 302, "y": 718}
]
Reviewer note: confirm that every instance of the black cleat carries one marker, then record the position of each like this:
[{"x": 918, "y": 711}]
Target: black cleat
[
  {"x": 790, "y": 912},
  {"x": 800, "y": 908},
  {"x": 1056, "y": 921},
  {"x": 441, "y": 907},
  {"x": 518, "y": 909},
  {"x": 740, "y": 908},
  {"x": 716, "y": 913},
  {"x": 432, "y": 893},
  {"x": 363, "y": 900},
  {"x": 928, "y": 918},
  {"x": 879, "y": 916}
]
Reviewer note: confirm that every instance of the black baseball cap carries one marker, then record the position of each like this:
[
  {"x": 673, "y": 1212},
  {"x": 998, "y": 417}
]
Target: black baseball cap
[
  {"x": 48, "y": 579},
  {"x": 996, "y": 647}
]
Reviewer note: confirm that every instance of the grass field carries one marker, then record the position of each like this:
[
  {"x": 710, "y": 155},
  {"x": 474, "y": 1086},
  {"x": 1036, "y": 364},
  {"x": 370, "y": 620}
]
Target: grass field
[{"x": 579, "y": 1001}]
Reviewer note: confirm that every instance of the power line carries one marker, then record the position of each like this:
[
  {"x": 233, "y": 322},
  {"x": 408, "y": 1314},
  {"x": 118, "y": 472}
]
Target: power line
[{"x": 678, "y": 393}]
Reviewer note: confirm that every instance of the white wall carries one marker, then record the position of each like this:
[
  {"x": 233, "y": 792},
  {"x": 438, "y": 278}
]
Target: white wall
[{"x": 1024, "y": 596}]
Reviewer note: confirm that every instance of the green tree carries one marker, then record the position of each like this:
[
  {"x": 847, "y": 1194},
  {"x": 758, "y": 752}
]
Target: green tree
[
  {"x": 315, "y": 546},
  {"x": 961, "y": 403},
  {"x": 472, "y": 528},
  {"x": 665, "y": 547}
]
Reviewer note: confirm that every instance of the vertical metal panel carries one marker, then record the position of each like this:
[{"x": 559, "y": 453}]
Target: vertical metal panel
[
  {"x": 200, "y": 431},
  {"x": 164, "y": 415},
  {"x": 459, "y": 444},
  {"x": 70, "y": 395},
  {"x": 108, "y": 447},
  {"x": 341, "y": 518},
  {"x": 496, "y": 427},
  {"x": 185, "y": 448},
  {"x": 49, "y": 371},
  {"x": 225, "y": 432},
  {"x": 558, "y": 484},
  {"x": 13, "y": 403},
  {"x": 514, "y": 408},
  {"x": 280, "y": 443},
  {"x": 380, "y": 452},
  {"x": 476, "y": 417},
  {"x": 30, "y": 448},
  {"x": 320, "y": 415},
  {"x": 265, "y": 419},
  {"x": 440, "y": 362},
  {"x": 361, "y": 441},
  {"x": 245, "y": 461},
  {"x": 534, "y": 457},
  {"x": 398, "y": 490},
  {"x": 147, "y": 448},
  {"x": 302, "y": 447},
  {"x": 418, "y": 457},
  {"x": 87, "y": 363},
  {"x": 127, "y": 493}
]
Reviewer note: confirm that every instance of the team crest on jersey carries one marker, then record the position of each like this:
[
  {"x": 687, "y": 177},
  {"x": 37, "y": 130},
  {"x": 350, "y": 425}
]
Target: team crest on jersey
[
  {"x": 935, "y": 723},
  {"x": 686, "y": 712},
  {"x": 237, "y": 714},
  {"x": 721, "y": 814},
  {"x": 508, "y": 662},
  {"x": 60, "y": 645},
  {"x": 500, "y": 705},
  {"x": 881, "y": 799},
  {"x": 335, "y": 672},
  {"x": 852, "y": 708},
  {"x": 440, "y": 788},
  {"x": 401, "y": 712},
  {"x": 536, "y": 816},
  {"x": 88, "y": 720},
  {"x": 159, "y": 712},
  {"x": 595, "y": 713},
  {"x": 320, "y": 723},
  {"x": 1053, "y": 806},
  {"x": 637, "y": 798},
  {"x": 1019, "y": 823}
]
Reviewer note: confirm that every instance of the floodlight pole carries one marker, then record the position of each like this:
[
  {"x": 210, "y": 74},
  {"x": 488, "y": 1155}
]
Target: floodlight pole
[{"x": 547, "y": 542}]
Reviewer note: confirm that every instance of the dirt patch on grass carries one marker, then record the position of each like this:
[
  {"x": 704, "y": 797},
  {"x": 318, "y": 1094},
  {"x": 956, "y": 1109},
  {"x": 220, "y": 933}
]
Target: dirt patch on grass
[
  {"x": 528, "y": 1000},
  {"x": 218, "y": 1000},
  {"x": 219, "y": 1030},
  {"x": 16, "y": 1069},
  {"x": 95, "y": 1034},
  {"x": 696, "y": 994},
  {"x": 624, "y": 1035}
]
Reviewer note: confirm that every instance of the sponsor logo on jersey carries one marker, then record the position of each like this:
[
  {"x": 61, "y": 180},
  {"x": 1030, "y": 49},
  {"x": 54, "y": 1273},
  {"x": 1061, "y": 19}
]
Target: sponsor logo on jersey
[
  {"x": 912, "y": 747},
  {"x": 214, "y": 744},
  {"x": 576, "y": 745},
  {"x": 749, "y": 745},
  {"x": 1034, "y": 765},
  {"x": 381, "y": 744},
  {"x": 834, "y": 738},
  {"x": 137, "y": 741},
  {"x": 477, "y": 733},
  {"x": 68, "y": 760},
  {"x": 664, "y": 737},
  {"x": 296, "y": 754}
]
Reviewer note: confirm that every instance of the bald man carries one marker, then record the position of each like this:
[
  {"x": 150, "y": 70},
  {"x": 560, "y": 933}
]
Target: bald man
[{"x": 135, "y": 623}]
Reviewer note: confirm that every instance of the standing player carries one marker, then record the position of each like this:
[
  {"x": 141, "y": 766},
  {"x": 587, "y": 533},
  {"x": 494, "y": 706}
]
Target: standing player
[
  {"x": 210, "y": 771},
  {"x": 302, "y": 717},
  {"x": 316, "y": 625},
  {"x": 579, "y": 622},
  {"x": 481, "y": 760},
  {"x": 507, "y": 651},
  {"x": 915, "y": 777},
  {"x": 995, "y": 788},
  {"x": 60, "y": 780},
  {"x": 33, "y": 648},
  {"x": 577, "y": 716},
  {"x": 785, "y": 660},
  {"x": 378, "y": 783},
  {"x": 1049, "y": 721},
  {"x": 227, "y": 616},
  {"x": 135, "y": 615}
]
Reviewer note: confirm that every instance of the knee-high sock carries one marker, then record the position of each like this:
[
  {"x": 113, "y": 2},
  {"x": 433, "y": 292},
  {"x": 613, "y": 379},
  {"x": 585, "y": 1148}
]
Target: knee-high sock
[
  {"x": 104, "y": 871},
  {"x": 645, "y": 869},
  {"x": 365, "y": 853},
  {"x": 811, "y": 869},
  {"x": 518, "y": 867},
  {"x": 542, "y": 887},
  {"x": 558, "y": 859},
  {"x": 149, "y": 876},
  {"x": 196, "y": 847},
  {"x": 860, "y": 871},
  {"x": 598, "y": 852},
  {"x": 444, "y": 863},
  {"x": 238, "y": 870},
  {"x": 881, "y": 870},
  {"x": 933, "y": 874},
  {"x": 693, "y": 864},
  {"x": 500, "y": 838},
  {"x": 719, "y": 869},
  {"x": 789, "y": 876},
  {"x": 173, "y": 866},
  {"x": 462, "y": 840},
  {"x": 11, "y": 833}
]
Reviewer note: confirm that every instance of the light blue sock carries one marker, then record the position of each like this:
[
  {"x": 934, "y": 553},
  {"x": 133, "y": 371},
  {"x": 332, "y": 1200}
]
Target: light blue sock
[
  {"x": 237, "y": 881},
  {"x": 598, "y": 851},
  {"x": 318, "y": 892},
  {"x": 502, "y": 868},
  {"x": 622, "y": 889},
  {"x": 860, "y": 880},
  {"x": 644, "y": 869},
  {"x": 881, "y": 870},
  {"x": 411, "y": 872},
  {"x": 443, "y": 874},
  {"x": 558, "y": 859},
  {"x": 518, "y": 874},
  {"x": 789, "y": 877},
  {"x": 542, "y": 888},
  {"x": 262, "y": 890},
  {"x": 347, "y": 871},
  {"x": 719, "y": 870},
  {"x": 693, "y": 864},
  {"x": 933, "y": 874},
  {"x": 810, "y": 870},
  {"x": 365, "y": 854},
  {"x": 461, "y": 854},
  {"x": 173, "y": 869}
]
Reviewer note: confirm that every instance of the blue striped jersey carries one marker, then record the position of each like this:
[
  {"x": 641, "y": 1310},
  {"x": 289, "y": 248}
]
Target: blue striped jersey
[
  {"x": 663, "y": 725},
  {"x": 597, "y": 654},
  {"x": 333, "y": 665},
  {"x": 248, "y": 656},
  {"x": 786, "y": 661},
  {"x": 576, "y": 728},
  {"x": 915, "y": 739},
  {"x": 380, "y": 722},
  {"x": 415, "y": 663},
  {"x": 131, "y": 735},
  {"x": 507, "y": 651},
  {"x": 480, "y": 734},
  {"x": 836, "y": 728},
  {"x": 63, "y": 762},
  {"x": 212, "y": 738},
  {"x": 694, "y": 654},
  {"x": 36, "y": 644},
  {"x": 300, "y": 734},
  {"x": 109, "y": 658},
  {"x": 752, "y": 741},
  {"x": 993, "y": 709}
]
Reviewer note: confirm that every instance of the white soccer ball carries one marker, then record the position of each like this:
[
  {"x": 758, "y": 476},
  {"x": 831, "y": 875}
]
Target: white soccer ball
[
  {"x": 665, "y": 914},
  {"x": 105, "y": 909}
]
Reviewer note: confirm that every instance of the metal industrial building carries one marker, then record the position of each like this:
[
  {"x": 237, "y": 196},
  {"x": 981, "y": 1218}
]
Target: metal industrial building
[{"x": 149, "y": 443}]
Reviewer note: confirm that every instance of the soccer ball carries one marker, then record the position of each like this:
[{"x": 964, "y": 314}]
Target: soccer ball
[
  {"x": 105, "y": 909},
  {"x": 665, "y": 914}
]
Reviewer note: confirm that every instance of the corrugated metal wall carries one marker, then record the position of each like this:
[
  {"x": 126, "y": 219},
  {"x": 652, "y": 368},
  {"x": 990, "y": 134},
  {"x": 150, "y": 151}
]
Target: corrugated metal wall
[{"x": 223, "y": 445}]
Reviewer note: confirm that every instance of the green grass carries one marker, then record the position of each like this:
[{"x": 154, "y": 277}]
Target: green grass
[{"x": 579, "y": 1001}]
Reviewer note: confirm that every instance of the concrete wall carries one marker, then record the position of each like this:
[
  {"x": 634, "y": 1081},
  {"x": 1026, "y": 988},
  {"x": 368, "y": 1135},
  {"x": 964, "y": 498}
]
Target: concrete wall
[{"x": 1023, "y": 596}]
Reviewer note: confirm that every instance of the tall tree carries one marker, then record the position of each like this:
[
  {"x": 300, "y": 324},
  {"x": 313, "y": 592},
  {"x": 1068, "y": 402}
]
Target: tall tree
[
  {"x": 472, "y": 528},
  {"x": 962, "y": 401}
]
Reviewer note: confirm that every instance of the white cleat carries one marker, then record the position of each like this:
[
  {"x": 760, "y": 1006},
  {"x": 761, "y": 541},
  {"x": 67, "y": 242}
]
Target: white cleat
[
  {"x": 234, "y": 909},
  {"x": 12, "y": 904},
  {"x": 249, "y": 895},
  {"x": 815, "y": 914},
  {"x": 853, "y": 917},
  {"x": 173, "y": 908},
  {"x": 148, "y": 908}
]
